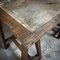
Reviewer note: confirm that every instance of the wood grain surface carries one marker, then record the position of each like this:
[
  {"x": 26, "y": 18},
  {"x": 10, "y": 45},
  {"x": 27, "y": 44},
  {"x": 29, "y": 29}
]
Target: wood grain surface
[{"x": 30, "y": 20}]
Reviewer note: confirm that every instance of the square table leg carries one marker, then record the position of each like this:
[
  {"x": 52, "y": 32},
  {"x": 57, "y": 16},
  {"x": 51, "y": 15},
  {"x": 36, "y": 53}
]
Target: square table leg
[
  {"x": 2, "y": 35},
  {"x": 24, "y": 50},
  {"x": 58, "y": 35},
  {"x": 58, "y": 32},
  {"x": 25, "y": 55},
  {"x": 38, "y": 47}
]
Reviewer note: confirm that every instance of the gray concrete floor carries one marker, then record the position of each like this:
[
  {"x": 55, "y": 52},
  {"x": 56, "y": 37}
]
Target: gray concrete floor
[{"x": 50, "y": 47}]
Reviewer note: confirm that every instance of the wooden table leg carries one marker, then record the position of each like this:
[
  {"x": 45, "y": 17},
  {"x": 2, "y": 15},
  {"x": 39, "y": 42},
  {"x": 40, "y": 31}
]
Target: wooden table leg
[
  {"x": 58, "y": 35},
  {"x": 25, "y": 55},
  {"x": 23, "y": 49},
  {"x": 3, "y": 37},
  {"x": 58, "y": 32},
  {"x": 38, "y": 47}
]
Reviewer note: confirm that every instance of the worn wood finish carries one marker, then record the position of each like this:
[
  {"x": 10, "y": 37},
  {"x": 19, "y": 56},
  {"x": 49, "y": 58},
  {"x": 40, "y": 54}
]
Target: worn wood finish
[
  {"x": 59, "y": 35},
  {"x": 18, "y": 30},
  {"x": 3, "y": 37},
  {"x": 30, "y": 14},
  {"x": 23, "y": 23},
  {"x": 23, "y": 49},
  {"x": 38, "y": 47},
  {"x": 58, "y": 32},
  {"x": 21, "y": 32}
]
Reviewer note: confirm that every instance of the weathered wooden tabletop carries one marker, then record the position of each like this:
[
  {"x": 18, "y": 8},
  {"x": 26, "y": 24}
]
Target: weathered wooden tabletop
[{"x": 33, "y": 15}]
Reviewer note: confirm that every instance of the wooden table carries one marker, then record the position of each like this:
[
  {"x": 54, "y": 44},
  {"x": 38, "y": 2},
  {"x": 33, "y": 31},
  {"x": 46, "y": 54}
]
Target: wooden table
[{"x": 29, "y": 21}]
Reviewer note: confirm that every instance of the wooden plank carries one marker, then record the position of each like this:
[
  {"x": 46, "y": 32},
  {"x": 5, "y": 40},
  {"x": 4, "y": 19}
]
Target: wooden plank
[
  {"x": 23, "y": 49},
  {"x": 18, "y": 30},
  {"x": 59, "y": 34},
  {"x": 38, "y": 47},
  {"x": 10, "y": 16},
  {"x": 33, "y": 38},
  {"x": 31, "y": 14},
  {"x": 3, "y": 37},
  {"x": 25, "y": 36}
]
